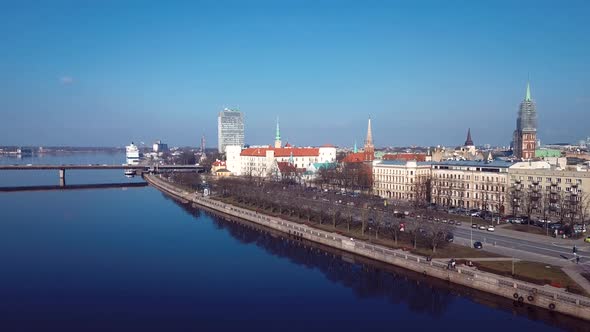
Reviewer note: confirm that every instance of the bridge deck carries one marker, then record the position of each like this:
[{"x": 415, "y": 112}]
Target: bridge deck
[{"x": 96, "y": 166}]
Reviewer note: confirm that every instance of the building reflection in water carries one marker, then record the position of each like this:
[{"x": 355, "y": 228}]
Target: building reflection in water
[{"x": 371, "y": 279}]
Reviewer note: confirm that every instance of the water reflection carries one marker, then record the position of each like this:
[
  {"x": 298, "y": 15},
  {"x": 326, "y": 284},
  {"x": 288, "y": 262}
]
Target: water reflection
[{"x": 371, "y": 279}]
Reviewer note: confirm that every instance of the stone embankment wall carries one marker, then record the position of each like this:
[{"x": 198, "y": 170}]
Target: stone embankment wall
[{"x": 569, "y": 304}]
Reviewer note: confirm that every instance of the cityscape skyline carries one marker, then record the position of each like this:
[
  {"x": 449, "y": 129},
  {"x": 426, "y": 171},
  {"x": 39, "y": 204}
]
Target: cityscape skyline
[{"x": 323, "y": 70}]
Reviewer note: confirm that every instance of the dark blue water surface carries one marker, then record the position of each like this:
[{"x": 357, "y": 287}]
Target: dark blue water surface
[{"x": 135, "y": 260}]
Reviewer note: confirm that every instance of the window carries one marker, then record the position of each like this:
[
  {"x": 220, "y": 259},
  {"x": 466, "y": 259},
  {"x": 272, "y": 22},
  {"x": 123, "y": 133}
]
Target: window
[
  {"x": 530, "y": 178},
  {"x": 547, "y": 179},
  {"x": 558, "y": 180},
  {"x": 568, "y": 180}
]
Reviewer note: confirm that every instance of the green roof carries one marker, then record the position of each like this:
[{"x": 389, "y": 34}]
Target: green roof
[
  {"x": 324, "y": 165},
  {"x": 547, "y": 153}
]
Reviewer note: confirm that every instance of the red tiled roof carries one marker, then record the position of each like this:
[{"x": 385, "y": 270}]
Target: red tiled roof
[
  {"x": 286, "y": 167},
  {"x": 282, "y": 152},
  {"x": 358, "y": 157},
  {"x": 218, "y": 163}
]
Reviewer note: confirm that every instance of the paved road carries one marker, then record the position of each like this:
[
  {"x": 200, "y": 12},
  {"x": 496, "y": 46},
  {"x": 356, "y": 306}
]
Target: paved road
[{"x": 550, "y": 247}]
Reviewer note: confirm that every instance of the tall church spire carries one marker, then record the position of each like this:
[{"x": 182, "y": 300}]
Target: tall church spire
[
  {"x": 528, "y": 92},
  {"x": 278, "y": 143},
  {"x": 469, "y": 141},
  {"x": 369, "y": 140},
  {"x": 369, "y": 150}
]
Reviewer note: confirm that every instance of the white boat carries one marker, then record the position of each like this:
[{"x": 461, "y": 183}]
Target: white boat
[{"x": 132, "y": 154}]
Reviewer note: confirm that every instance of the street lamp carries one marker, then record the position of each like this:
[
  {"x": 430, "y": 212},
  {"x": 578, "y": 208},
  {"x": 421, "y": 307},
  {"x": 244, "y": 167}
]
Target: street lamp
[{"x": 471, "y": 229}]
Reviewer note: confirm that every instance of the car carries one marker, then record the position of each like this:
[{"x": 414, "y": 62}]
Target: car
[
  {"x": 587, "y": 239},
  {"x": 451, "y": 222},
  {"x": 482, "y": 227},
  {"x": 473, "y": 225},
  {"x": 450, "y": 237},
  {"x": 444, "y": 221},
  {"x": 477, "y": 245},
  {"x": 458, "y": 223},
  {"x": 516, "y": 221},
  {"x": 491, "y": 228}
]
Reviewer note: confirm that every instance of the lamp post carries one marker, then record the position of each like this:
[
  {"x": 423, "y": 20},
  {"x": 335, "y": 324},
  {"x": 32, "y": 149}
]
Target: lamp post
[{"x": 471, "y": 229}]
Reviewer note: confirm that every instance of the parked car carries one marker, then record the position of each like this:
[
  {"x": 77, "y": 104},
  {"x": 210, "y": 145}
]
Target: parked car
[
  {"x": 578, "y": 228},
  {"x": 451, "y": 222},
  {"x": 458, "y": 223},
  {"x": 477, "y": 245},
  {"x": 473, "y": 225},
  {"x": 482, "y": 227},
  {"x": 516, "y": 220},
  {"x": 450, "y": 237},
  {"x": 491, "y": 228}
]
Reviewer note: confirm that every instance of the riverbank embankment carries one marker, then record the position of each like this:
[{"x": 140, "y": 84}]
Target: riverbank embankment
[{"x": 569, "y": 304}]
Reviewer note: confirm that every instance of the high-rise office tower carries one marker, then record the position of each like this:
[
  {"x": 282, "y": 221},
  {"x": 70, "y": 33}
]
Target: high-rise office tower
[{"x": 230, "y": 129}]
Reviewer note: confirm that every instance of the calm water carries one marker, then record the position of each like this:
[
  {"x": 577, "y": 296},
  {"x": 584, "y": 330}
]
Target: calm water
[{"x": 123, "y": 260}]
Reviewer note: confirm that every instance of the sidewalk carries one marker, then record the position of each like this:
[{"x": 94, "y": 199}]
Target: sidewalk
[{"x": 575, "y": 272}]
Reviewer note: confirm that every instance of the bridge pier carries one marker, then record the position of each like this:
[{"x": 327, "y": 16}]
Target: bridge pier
[{"x": 62, "y": 177}]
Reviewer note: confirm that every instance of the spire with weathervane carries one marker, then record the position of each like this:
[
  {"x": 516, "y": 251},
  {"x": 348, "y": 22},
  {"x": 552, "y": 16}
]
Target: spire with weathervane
[{"x": 278, "y": 143}]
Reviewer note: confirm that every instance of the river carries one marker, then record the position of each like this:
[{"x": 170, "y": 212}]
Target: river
[{"x": 136, "y": 260}]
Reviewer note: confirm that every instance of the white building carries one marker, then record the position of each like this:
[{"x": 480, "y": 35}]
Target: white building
[
  {"x": 397, "y": 179},
  {"x": 262, "y": 161},
  {"x": 160, "y": 147}
]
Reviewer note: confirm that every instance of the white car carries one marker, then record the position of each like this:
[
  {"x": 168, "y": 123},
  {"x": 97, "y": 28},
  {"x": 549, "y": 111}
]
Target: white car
[
  {"x": 482, "y": 227},
  {"x": 491, "y": 229}
]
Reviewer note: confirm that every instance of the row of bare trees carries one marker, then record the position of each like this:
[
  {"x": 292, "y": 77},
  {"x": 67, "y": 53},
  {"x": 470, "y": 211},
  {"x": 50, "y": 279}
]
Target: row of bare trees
[
  {"x": 568, "y": 207},
  {"x": 362, "y": 214},
  {"x": 349, "y": 176}
]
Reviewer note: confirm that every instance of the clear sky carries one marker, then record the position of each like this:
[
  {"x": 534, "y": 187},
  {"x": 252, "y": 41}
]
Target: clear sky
[{"x": 103, "y": 73}]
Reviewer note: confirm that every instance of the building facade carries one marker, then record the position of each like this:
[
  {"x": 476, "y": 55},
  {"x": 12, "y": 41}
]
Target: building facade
[
  {"x": 230, "y": 129},
  {"x": 403, "y": 180},
  {"x": 542, "y": 190},
  {"x": 524, "y": 141},
  {"x": 471, "y": 185},
  {"x": 263, "y": 161}
]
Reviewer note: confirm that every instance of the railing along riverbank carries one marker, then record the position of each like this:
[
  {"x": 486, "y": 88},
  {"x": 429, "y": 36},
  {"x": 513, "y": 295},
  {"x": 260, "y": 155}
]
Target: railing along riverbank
[{"x": 520, "y": 291}]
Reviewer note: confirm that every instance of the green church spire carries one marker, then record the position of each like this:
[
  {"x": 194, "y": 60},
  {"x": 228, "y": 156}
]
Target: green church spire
[
  {"x": 528, "y": 92},
  {"x": 355, "y": 148},
  {"x": 278, "y": 136}
]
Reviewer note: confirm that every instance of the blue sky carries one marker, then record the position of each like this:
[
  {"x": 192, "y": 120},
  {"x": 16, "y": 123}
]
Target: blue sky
[{"x": 107, "y": 72}]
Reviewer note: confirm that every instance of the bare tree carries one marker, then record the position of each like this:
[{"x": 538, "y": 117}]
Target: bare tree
[
  {"x": 436, "y": 234},
  {"x": 415, "y": 229},
  {"x": 584, "y": 207}
]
